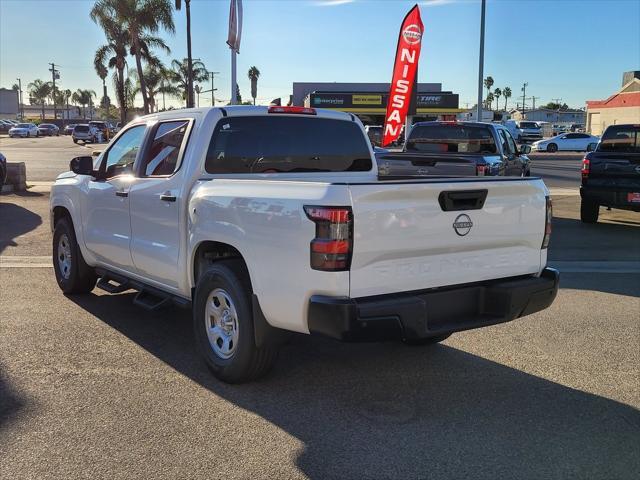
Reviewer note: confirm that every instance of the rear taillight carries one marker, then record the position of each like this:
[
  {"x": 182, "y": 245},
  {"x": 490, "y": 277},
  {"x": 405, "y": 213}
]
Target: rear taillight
[
  {"x": 481, "y": 170},
  {"x": 333, "y": 244},
  {"x": 295, "y": 110},
  {"x": 547, "y": 223},
  {"x": 586, "y": 166}
]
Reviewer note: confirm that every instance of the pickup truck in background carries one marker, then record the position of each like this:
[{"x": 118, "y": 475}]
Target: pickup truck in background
[
  {"x": 267, "y": 220},
  {"x": 488, "y": 147},
  {"x": 611, "y": 173},
  {"x": 524, "y": 131}
]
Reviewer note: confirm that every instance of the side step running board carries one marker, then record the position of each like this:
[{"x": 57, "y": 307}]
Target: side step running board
[{"x": 148, "y": 297}]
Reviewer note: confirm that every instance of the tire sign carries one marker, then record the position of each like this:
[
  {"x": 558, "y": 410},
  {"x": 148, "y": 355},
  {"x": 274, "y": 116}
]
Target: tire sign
[{"x": 404, "y": 74}]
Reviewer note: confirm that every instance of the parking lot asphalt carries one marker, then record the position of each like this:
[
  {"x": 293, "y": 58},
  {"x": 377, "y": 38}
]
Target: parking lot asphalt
[{"x": 92, "y": 386}]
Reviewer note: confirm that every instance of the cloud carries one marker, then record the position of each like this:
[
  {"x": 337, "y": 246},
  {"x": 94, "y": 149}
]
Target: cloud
[{"x": 331, "y": 3}]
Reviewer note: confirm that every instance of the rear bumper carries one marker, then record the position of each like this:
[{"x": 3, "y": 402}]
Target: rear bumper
[
  {"x": 610, "y": 197},
  {"x": 430, "y": 313}
]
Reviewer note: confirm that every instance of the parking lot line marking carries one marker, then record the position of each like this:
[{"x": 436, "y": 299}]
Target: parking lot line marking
[{"x": 25, "y": 261}]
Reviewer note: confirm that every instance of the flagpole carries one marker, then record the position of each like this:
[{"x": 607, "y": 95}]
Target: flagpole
[{"x": 234, "y": 98}]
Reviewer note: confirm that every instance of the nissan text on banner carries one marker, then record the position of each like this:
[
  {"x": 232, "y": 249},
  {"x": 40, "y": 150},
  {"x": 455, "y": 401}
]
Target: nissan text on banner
[{"x": 404, "y": 75}]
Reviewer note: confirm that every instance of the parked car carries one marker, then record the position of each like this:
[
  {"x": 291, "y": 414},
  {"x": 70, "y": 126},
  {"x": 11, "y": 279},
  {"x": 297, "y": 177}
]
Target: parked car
[
  {"x": 102, "y": 127},
  {"x": 48, "y": 130},
  {"x": 5, "y": 126},
  {"x": 611, "y": 173},
  {"x": 272, "y": 219},
  {"x": 24, "y": 130},
  {"x": 576, "y": 127},
  {"x": 488, "y": 146},
  {"x": 84, "y": 133},
  {"x": 559, "y": 129},
  {"x": 374, "y": 132},
  {"x": 567, "y": 141},
  {"x": 3, "y": 170},
  {"x": 68, "y": 130}
]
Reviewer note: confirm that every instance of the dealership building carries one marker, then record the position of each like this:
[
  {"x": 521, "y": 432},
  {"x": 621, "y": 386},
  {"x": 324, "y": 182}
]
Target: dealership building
[
  {"x": 369, "y": 100},
  {"x": 621, "y": 107}
]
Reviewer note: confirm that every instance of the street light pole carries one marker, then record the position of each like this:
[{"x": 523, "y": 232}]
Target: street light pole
[
  {"x": 213, "y": 99},
  {"x": 481, "y": 62},
  {"x": 21, "y": 104},
  {"x": 524, "y": 93},
  {"x": 54, "y": 73}
]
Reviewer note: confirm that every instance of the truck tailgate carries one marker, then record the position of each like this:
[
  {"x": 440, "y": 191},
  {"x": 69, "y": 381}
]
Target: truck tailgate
[{"x": 405, "y": 240}]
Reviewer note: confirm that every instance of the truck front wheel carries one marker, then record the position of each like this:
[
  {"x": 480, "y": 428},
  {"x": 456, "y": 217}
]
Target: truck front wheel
[
  {"x": 223, "y": 324},
  {"x": 72, "y": 273}
]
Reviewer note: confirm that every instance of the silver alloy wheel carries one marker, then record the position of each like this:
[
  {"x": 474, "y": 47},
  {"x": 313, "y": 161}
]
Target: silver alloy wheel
[
  {"x": 64, "y": 256},
  {"x": 221, "y": 322}
]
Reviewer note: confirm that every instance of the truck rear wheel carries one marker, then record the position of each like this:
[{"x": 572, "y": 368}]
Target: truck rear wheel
[
  {"x": 589, "y": 211},
  {"x": 223, "y": 324},
  {"x": 72, "y": 272}
]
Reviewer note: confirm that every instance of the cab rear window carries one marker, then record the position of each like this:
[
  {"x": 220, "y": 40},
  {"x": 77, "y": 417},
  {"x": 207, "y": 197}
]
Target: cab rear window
[
  {"x": 451, "y": 138},
  {"x": 624, "y": 139},
  {"x": 287, "y": 144}
]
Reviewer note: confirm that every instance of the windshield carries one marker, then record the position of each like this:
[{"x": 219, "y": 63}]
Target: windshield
[
  {"x": 529, "y": 125},
  {"x": 271, "y": 144},
  {"x": 623, "y": 138},
  {"x": 24, "y": 125},
  {"x": 451, "y": 138}
]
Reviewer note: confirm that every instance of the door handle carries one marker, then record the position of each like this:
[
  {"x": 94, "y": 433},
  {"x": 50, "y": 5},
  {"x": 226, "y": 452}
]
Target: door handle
[
  {"x": 166, "y": 197},
  {"x": 121, "y": 193}
]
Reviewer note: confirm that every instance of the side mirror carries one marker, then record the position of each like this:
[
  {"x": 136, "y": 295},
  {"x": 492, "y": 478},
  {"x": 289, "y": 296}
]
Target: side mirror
[
  {"x": 591, "y": 147},
  {"x": 525, "y": 149},
  {"x": 82, "y": 165}
]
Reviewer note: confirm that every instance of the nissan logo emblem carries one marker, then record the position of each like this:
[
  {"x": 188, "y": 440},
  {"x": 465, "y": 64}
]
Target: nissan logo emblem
[
  {"x": 462, "y": 224},
  {"x": 412, "y": 34}
]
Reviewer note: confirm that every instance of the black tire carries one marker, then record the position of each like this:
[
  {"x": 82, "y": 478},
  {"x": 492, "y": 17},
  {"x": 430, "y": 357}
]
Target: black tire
[
  {"x": 552, "y": 148},
  {"x": 416, "y": 342},
  {"x": 247, "y": 362},
  {"x": 589, "y": 211},
  {"x": 80, "y": 277},
  {"x": 75, "y": 141}
]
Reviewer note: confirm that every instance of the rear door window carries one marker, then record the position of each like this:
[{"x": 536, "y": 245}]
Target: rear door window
[
  {"x": 287, "y": 144},
  {"x": 623, "y": 138},
  {"x": 162, "y": 156},
  {"x": 451, "y": 139}
]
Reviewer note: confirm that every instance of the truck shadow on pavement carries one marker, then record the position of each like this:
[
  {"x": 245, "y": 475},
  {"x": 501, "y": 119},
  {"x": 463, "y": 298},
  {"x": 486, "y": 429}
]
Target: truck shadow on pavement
[
  {"x": 10, "y": 403},
  {"x": 389, "y": 411},
  {"x": 15, "y": 221}
]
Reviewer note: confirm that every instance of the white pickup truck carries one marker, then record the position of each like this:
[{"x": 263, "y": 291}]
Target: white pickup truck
[{"x": 274, "y": 219}]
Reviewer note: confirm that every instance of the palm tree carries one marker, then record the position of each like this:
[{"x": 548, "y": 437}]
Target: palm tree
[
  {"x": 156, "y": 78},
  {"x": 489, "y": 100},
  {"x": 179, "y": 75},
  {"x": 84, "y": 98},
  {"x": 506, "y": 91},
  {"x": 141, "y": 19},
  {"x": 488, "y": 83},
  {"x": 187, "y": 7},
  {"x": 253, "y": 75},
  {"x": 38, "y": 93},
  {"x": 497, "y": 93}
]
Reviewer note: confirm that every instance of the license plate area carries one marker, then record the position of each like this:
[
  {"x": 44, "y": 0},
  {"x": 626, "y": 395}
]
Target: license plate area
[{"x": 633, "y": 197}]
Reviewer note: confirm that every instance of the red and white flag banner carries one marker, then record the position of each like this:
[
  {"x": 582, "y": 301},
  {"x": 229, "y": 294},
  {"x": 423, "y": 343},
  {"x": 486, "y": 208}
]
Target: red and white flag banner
[
  {"x": 235, "y": 25},
  {"x": 404, "y": 74}
]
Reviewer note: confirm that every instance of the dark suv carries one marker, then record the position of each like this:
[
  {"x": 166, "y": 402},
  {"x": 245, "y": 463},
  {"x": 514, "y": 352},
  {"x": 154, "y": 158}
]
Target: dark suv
[{"x": 611, "y": 173}]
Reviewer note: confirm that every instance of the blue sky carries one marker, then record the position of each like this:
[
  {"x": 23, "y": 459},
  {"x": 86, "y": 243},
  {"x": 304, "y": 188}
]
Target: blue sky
[{"x": 572, "y": 49}]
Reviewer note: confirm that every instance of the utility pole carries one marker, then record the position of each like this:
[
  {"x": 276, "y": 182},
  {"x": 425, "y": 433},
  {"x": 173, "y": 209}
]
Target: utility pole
[
  {"x": 481, "y": 62},
  {"x": 164, "y": 107},
  {"x": 534, "y": 102},
  {"x": 524, "y": 93},
  {"x": 557, "y": 100},
  {"x": 21, "y": 104},
  {"x": 55, "y": 75},
  {"x": 213, "y": 100}
]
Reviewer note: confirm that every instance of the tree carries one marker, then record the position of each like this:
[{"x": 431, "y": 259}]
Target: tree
[
  {"x": 490, "y": 98},
  {"x": 84, "y": 98},
  {"x": 253, "y": 75},
  {"x": 497, "y": 93},
  {"x": 15, "y": 87},
  {"x": 556, "y": 106},
  {"x": 187, "y": 7},
  {"x": 38, "y": 93},
  {"x": 179, "y": 75},
  {"x": 488, "y": 83},
  {"x": 506, "y": 91},
  {"x": 157, "y": 79},
  {"x": 141, "y": 19}
]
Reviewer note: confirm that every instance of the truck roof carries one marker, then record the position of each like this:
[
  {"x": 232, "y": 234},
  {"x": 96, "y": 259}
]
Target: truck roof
[{"x": 472, "y": 124}]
